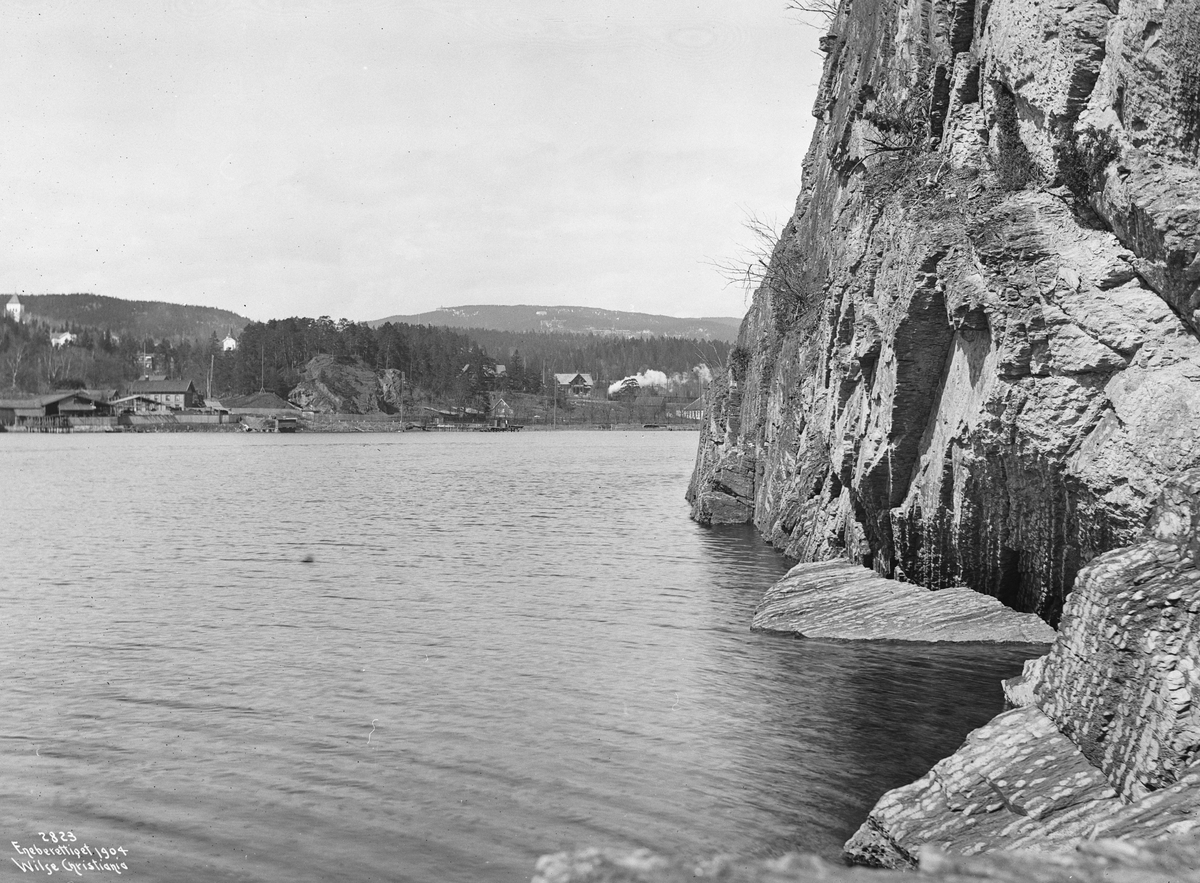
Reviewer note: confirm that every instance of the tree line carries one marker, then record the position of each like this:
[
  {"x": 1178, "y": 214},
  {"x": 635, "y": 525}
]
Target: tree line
[{"x": 438, "y": 363}]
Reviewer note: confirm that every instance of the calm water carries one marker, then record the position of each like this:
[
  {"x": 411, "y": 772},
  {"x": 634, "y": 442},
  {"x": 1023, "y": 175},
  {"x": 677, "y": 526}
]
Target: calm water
[{"x": 502, "y": 646}]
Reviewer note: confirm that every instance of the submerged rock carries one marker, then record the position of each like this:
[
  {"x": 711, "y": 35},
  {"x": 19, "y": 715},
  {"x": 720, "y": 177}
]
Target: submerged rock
[{"x": 837, "y": 599}]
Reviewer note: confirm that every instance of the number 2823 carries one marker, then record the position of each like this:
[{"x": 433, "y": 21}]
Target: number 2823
[{"x": 57, "y": 836}]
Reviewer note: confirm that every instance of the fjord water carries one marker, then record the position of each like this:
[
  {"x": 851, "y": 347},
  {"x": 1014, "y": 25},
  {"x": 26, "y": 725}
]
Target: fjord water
[{"x": 423, "y": 657}]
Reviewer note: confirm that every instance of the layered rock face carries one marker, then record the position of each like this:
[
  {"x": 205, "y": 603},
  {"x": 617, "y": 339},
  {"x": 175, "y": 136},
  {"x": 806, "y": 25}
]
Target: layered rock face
[
  {"x": 1107, "y": 741},
  {"x": 337, "y": 386},
  {"x": 974, "y": 359}
]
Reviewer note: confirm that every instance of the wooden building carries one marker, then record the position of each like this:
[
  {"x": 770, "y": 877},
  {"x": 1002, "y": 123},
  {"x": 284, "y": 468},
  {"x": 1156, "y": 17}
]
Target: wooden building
[
  {"x": 51, "y": 411},
  {"x": 175, "y": 394},
  {"x": 576, "y": 384}
]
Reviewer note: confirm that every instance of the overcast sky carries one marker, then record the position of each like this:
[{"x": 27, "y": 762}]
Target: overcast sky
[{"x": 363, "y": 158}]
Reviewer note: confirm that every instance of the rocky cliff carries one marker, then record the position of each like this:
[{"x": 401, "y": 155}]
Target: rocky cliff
[
  {"x": 974, "y": 358},
  {"x": 1106, "y": 737},
  {"x": 332, "y": 385}
]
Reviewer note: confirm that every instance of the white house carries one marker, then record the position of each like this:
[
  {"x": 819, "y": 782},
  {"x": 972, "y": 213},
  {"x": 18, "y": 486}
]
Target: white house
[
  {"x": 64, "y": 339},
  {"x": 14, "y": 308},
  {"x": 229, "y": 344}
]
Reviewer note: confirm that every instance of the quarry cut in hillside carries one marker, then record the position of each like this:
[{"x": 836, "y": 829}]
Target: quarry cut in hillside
[{"x": 974, "y": 357}]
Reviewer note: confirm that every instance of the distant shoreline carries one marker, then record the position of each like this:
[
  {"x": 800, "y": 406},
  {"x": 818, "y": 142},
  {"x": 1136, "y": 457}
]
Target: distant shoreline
[{"x": 346, "y": 426}]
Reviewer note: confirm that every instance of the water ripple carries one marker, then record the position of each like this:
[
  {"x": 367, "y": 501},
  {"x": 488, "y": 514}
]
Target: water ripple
[{"x": 541, "y": 648}]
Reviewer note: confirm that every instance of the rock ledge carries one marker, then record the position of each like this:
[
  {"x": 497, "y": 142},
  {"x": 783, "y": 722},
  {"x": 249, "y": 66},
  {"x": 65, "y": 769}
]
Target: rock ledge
[{"x": 841, "y": 600}]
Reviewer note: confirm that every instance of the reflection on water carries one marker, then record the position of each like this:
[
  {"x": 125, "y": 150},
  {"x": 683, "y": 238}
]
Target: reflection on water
[{"x": 502, "y": 646}]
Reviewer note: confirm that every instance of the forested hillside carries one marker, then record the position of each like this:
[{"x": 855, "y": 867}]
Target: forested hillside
[
  {"x": 446, "y": 363},
  {"x": 573, "y": 320},
  {"x": 439, "y": 364},
  {"x": 130, "y": 318}
]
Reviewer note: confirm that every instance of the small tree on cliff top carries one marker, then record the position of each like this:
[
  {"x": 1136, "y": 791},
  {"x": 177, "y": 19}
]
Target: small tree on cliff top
[{"x": 825, "y": 11}]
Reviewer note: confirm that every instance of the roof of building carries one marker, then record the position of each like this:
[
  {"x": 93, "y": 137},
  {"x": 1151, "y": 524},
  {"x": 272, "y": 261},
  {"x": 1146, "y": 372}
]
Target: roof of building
[
  {"x": 258, "y": 401},
  {"x": 43, "y": 400},
  {"x": 161, "y": 386},
  {"x": 14, "y": 300},
  {"x": 697, "y": 405},
  {"x": 88, "y": 405}
]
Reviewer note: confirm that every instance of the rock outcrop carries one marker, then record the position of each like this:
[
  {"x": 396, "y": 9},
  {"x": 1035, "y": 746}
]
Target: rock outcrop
[
  {"x": 1100, "y": 861},
  {"x": 973, "y": 359},
  {"x": 346, "y": 386},
  {"x": 844, "y": 601},
  {"x": 1107, "y": 740},
  {"x": 722, "y": 486}
]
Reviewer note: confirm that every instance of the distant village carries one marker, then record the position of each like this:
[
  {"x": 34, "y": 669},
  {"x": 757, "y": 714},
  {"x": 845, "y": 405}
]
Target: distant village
[{"x": 343, "y": 393}]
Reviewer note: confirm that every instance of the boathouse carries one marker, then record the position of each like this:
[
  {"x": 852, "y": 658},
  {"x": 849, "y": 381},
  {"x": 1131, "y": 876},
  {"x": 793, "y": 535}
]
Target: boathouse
[
  {"x": 500, "y": 412},
  {"x": 52, "y": 411}
]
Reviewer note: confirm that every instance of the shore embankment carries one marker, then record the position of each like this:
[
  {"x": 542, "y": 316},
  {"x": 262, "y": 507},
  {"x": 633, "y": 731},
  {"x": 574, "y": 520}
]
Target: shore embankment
[{"x": 332, "y": 423}]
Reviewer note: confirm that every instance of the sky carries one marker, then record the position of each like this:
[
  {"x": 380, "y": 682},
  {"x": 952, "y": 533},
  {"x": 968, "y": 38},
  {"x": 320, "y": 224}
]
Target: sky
[{"x": 366, "y": 158}]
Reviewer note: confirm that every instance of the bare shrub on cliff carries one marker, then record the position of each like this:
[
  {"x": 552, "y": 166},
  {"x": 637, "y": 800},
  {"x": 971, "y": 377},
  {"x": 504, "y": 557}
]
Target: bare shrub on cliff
[
  {"x": 901, "y": 124},
  {"x": 824, "y": 10},
  {"x": 761, "y": 264}
]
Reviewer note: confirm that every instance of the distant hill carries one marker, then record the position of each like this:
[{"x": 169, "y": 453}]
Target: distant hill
[
  {"x": 575, "y": 320},
  {"x": 136, "y": 318}
]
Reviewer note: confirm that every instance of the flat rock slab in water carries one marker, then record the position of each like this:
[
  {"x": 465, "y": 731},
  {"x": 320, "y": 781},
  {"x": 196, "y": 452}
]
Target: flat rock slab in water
[{"x": 837, "y": 599}]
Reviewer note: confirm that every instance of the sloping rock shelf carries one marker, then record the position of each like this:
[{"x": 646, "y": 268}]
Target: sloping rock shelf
[{"x": 841, "y": 600}]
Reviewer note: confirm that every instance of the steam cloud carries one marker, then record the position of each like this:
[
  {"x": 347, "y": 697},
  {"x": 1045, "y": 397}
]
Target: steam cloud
[{"x": 660, "y": 380}]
